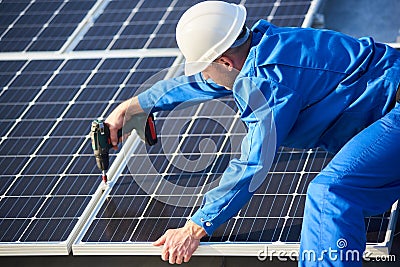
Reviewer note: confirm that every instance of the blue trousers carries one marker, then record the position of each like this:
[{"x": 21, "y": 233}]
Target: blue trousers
[{"x": 363, "y": 179}]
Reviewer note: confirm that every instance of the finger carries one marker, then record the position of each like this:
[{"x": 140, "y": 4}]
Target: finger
[
  {"x": 114, "y": 137},
  {"x": 160, "y": 241},
  {"x": 186, "y": 258},
  {"x": 179, "y": 260},
  {"x": 165, "y": 254},
  {"x": 172, "y": 259}
]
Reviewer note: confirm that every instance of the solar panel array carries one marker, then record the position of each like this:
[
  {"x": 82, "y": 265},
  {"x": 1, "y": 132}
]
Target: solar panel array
[{"x": 50, "y": 190}]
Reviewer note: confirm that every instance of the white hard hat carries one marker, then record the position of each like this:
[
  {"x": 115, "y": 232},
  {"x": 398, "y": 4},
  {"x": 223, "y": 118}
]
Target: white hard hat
[{"x": 206, "y": 30}]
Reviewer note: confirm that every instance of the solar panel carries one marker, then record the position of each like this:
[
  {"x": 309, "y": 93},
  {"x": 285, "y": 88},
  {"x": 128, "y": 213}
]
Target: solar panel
[
  {"x": 130, "y": 25},
  {"x": 47, "y": 164},
  {"x": 31, "y": 209},
  {"x": 159, "y": 188},
  {"x": 39, "y": 25},
  {"x": 51, "y": 195}
]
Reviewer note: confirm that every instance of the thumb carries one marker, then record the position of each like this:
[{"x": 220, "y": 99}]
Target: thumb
[{"x": 160, "y": 241}]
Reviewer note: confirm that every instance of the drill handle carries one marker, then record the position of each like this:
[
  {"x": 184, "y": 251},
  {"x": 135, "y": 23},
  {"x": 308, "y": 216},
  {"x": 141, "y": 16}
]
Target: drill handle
[{"x": 144, "y": 126}]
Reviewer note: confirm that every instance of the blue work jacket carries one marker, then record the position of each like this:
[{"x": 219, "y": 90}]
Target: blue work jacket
[{"x": 301, "y": 88}]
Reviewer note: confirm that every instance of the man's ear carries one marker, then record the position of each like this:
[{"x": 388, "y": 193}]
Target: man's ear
[{"x": 226, "y": 61}]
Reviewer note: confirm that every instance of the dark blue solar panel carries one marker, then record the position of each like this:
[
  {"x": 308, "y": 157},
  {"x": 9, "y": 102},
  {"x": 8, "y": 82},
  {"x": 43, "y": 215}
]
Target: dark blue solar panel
[
  {"x": 40, "y": 25},
  {"x": 48, "y": 111},
  {"x": 28, "y": 19},
  {"x": 66, "y": 18},
  {"x": 108, "y": 78},
  {"x": 64, "y": 207},
  {"x": 5, "y": 183},
  {"x": 85, "y": 110},
  {"x": 156, "y": 5},
  {"x": 14, "y": 146},
  {"x": 12, "y": 165},
  {"x": 47, "y": 165},
  {"x": 12, "y": 229},
  {"x": 120, "y": 63},
  {"x": 10, "y": 7},
  {"x": 106, "y": 30},
  {"x": 5, "y": 78},
  {"x": 23, "y": 33},
  {"x": 120, "y": 5},
  {"x": 113, "y": 225},
  {"x": 131, "y": 25},
  {"x": 49, "y": 230},
  {"x": 94, "y": 44},
  {"x": 78, "y": 184},
  {"x": 96, "y": 93},
  {"x": 119, "y": 16},
  {"x": 77, "y": 5},
  {"x": 79, "y": 64},
  {"x": 32, "y": 128},
  {"x": 49, "y": 172},
  {"x": 127, "y": 91},
  {"x": 5, "y": 126},
  {"x": 61, "y": 145},
  {"x": 67, "y": 78},
  {"x": 72, "y": 127},
  {"x": 32, "y": 185},
  {"x": 44, "y": 6},
  {"x": 60, "y": 93},
  {"x": 42, "y": 66},
  {"x": 11, "y": 111},
  {"x": 20, "y": 207},
  {"x": 11, "y": 66}
]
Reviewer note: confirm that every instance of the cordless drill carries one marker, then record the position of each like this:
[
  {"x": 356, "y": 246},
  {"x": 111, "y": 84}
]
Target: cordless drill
[{"x": 101, "y": 142}]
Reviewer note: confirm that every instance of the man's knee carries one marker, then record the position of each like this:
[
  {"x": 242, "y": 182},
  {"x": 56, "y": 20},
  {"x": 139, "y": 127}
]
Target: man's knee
[{"x": 315, "y": 198}]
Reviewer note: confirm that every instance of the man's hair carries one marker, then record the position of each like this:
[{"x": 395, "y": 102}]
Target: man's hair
[{"x": 239, "y": 49}]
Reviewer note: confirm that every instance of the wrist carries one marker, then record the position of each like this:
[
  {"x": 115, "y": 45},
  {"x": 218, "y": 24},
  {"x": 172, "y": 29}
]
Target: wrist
[
  {"x": 195, "y": 230},
  {"x": 132, "y": 107}
]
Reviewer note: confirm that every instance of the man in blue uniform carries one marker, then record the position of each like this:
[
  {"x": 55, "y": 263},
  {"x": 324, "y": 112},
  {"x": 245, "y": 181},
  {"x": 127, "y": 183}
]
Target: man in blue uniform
[{"x": 302, "y": 88}]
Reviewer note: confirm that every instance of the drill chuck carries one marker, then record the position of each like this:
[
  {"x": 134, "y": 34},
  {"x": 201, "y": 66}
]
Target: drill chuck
[{"x": 101, "y": 143}]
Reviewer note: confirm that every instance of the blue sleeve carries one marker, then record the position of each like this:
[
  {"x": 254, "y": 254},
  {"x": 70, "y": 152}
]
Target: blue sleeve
[
  {"x": 182, "y": 91},
  {"x": 269, "y": 114}
]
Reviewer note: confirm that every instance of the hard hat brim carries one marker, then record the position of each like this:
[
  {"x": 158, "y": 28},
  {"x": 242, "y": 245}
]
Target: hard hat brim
[{"x": 192, "y": 68}]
